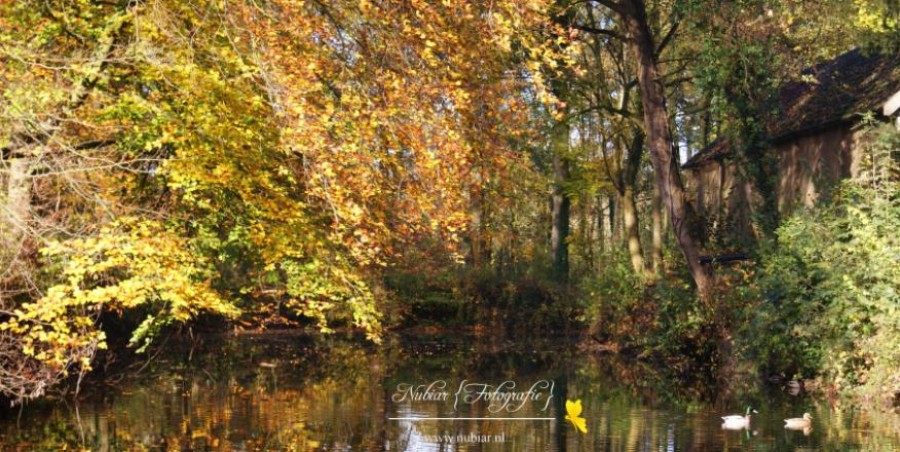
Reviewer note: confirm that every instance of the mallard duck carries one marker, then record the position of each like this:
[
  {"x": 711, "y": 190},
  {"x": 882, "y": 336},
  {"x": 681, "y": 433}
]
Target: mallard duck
[
  {"x": 736, "y": 421},
  {"x": 799, "y": 423}
]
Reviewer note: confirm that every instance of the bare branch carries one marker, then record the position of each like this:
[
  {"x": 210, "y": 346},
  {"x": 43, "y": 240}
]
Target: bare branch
[
  {"x": 613, "y": 5},
  {"x": 598, "y": 31},
  {"x": 667, "y": 38}
]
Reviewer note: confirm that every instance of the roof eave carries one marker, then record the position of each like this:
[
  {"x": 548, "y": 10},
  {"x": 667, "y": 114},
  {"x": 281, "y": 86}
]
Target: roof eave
[{"x": 892, "y": 105}]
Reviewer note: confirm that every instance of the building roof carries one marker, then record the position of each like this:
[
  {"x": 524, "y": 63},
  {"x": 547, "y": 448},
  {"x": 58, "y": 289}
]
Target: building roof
[{"x": 829, "y": 93}]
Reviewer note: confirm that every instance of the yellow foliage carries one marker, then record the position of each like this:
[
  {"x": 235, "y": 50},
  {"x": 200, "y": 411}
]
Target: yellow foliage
[
  {"x": 301, "y": 147},
  {"x": 129, "y": 264},
  {"x": 875, "y": 16}
]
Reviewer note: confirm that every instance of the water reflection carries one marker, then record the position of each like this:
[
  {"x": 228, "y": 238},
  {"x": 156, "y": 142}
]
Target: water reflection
[{"x": 291, "y": 392}]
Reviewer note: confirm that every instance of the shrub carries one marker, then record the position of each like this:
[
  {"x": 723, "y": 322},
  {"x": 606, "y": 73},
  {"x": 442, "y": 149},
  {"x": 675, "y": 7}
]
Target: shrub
[{"x": 830, "y": 286}]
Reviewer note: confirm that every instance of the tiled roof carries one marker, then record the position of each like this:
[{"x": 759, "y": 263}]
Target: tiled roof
[{"x": 826, "y": 94}]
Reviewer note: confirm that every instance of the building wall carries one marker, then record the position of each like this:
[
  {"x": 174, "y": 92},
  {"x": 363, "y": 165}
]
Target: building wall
[
  {"x": 727, "y": 199},
  {"x": 808, "y": 168}
]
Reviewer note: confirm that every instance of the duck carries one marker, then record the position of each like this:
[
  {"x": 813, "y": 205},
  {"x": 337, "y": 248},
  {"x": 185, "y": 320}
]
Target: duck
[
  {"x": 799, "y": 423},
  {"x": 736, "y": 421}
]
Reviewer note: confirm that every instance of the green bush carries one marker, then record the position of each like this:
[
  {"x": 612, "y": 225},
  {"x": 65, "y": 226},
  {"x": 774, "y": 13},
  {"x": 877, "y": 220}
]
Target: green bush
[
  {"x": 610, "y": 296},
  {"x": 661, "y": 316},
  {"x": 830, "y": 284}
]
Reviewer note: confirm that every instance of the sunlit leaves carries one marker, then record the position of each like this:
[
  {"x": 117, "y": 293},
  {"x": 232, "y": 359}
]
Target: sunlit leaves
[{"x": 129, "y": 264}]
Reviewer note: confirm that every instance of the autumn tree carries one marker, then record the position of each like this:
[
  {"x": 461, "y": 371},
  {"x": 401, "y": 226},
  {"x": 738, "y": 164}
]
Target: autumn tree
[{"x": 178, "y": 158}]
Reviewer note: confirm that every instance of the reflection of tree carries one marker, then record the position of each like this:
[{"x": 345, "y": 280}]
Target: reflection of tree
[
  {"x": 276, "y": 392},
  {"x": 226, "y": 400}
]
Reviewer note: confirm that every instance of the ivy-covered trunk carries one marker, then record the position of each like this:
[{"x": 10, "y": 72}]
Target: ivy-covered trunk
[{"x": 560, "y": 203}]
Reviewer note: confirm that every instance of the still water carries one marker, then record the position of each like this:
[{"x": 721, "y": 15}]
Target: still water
[{"x": 294, "y": 392}]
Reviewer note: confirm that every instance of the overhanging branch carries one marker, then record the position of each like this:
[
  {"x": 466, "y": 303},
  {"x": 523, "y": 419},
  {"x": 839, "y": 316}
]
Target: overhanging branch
[
  {"x": 598, "y": 31},
  {"x": 611, "y": 4}
]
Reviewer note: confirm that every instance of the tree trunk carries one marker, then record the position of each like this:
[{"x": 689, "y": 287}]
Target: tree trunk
[
  {"x": 15, "y": 223},
  {"x": 17, "y": 211},
  {"x": 627, "y": 184},
  {"x": 479, "y": 252},
  {"x": 632, "y": 232},
  {"x": 613, "y": 232},
  {"x": 707, "y": 125},
  {"x": 587, "y": 233},
  {"x": 475, "y": 232},
  {"x": 662, "y": 146},
  {"x": 559, "y": 247},
  {"x": 657, "y": 214},
  {"x": 601, "y": 232}
]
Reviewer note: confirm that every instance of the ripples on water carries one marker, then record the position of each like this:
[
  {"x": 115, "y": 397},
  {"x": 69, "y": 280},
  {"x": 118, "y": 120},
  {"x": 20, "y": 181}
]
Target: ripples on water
[{"x": 293, "y": 392}]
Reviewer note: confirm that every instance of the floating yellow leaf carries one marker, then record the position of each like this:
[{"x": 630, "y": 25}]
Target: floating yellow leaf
[{"x": 573, "y": 414}]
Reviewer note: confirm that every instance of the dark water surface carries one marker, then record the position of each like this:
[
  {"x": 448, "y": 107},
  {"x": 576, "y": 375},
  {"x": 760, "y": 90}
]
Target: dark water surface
[{"x": 294, "y": 392}]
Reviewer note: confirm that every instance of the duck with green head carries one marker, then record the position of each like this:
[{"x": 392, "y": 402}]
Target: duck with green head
[{"x": 736, "y": 421}]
